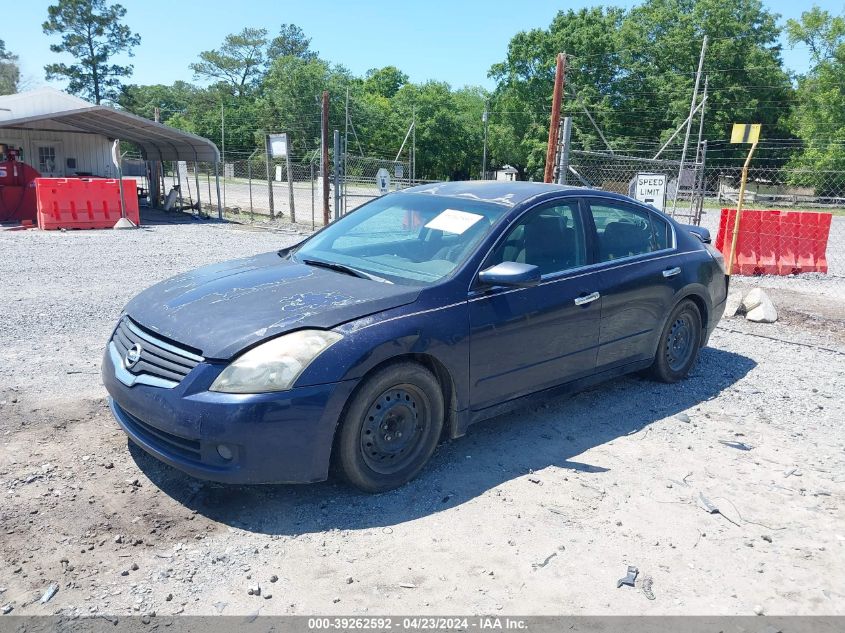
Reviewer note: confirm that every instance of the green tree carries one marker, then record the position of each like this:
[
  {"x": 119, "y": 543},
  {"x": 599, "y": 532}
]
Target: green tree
[
  {"x": 819, "y": 117},
  {"x": 385, "y": 82},
  {"x": 634, "y": 72},
  {"x": 171, "y": 100},
  {"x": 9, "y": 71},
  {"x": 92, "y": 33},
  {"x": 660, "y": 43},
  {"x": 239, "y": 61},
  {"x": 449, "y": 128},
  {"x": 291, "y": 41},
  {"x": 290, "y": 99},
  {"x": 521, "y": 103}
]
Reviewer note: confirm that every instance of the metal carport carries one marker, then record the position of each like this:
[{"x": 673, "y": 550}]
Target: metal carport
[{"x": 157, "y": 142}]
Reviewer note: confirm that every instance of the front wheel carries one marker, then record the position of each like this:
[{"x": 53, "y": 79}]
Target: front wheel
[
  {"x": 679, "y": 343},
  {"x": 390, "y": 428}
]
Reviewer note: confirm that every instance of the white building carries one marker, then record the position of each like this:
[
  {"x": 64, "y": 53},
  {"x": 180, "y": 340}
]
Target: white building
[
  {"x": 56, "y": 151},
  {"x": 507, "y": 174},
  {"x": 63, "y": 136}
]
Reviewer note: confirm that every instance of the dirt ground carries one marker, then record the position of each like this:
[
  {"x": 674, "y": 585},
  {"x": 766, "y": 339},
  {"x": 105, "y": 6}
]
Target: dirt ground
[{"x": 536, "y": 512}]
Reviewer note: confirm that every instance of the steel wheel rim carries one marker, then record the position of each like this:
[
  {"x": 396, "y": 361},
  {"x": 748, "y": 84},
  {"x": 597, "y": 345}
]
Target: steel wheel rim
[
  {"x": 680, "y": 344},
  {"x": 393, "y": 429}
]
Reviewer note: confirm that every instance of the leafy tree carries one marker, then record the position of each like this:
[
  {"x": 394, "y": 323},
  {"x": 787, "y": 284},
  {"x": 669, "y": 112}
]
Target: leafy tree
[
  {"x": 9, "y": 71},
  {"x": 819, "y": 116},
  {"x": 171, "y": 100},
  {"x": 822, "y": 32},
  {"x": 290, "y": 99},
  {"x": 660, "y": 42},
  {"x": 291, "y": 41},
  {"x": 521, "y": 103},
  {"x": 634, "y": 72},
  {"x": 449, "y": 128},
  {"x": 238, "y": 62},
  {"x": 92, "y": 33},
  {"x": 385, "y": 82}
]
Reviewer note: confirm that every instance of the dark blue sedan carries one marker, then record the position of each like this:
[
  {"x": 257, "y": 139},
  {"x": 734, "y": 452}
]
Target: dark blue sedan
[{"x": 404, "y": 322}]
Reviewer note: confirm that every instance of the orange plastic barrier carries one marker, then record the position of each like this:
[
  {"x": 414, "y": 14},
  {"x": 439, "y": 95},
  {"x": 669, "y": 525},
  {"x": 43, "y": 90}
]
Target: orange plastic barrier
[
  {"x": 774, "y": 242},
  {"x": 82, "y": 203}
]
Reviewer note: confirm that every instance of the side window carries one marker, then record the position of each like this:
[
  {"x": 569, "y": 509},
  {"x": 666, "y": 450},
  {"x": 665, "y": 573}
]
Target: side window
[
  {"x": 662, "y": 232},
  {"x": 550, "y": 238},
  {"x": 625, "y": 231}
]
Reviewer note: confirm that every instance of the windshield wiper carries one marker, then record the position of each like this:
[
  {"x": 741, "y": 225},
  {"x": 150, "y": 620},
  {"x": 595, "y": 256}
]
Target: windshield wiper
[{"x": 342, "y": 268}]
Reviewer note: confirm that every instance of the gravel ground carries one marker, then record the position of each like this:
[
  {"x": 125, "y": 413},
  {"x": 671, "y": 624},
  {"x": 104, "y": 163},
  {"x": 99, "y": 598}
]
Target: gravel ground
[{"x": 536, "y": 512}]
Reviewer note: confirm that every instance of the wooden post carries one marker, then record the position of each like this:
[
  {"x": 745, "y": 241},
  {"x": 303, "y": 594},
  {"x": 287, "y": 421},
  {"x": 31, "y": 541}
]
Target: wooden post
[
  {"x": 554, "y": 125},
  {"x": 739, "y": 207}
]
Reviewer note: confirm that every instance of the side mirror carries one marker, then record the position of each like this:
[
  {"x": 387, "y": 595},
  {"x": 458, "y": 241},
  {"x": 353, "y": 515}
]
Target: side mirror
[{"x": 510, "y": 274}]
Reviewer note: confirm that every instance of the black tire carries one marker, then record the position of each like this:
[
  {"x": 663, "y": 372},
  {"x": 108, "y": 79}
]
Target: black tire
[
  {"x": 390, "y": 427},
  {"x": 679, "y": 343}
]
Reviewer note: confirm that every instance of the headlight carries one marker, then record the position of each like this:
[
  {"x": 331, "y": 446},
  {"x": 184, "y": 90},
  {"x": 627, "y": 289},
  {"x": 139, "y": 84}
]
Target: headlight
[{"x": 276, "y": 364}]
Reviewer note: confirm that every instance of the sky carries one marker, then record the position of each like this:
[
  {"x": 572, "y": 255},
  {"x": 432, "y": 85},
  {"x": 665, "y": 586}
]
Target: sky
[{"x": 453, "y": 41}]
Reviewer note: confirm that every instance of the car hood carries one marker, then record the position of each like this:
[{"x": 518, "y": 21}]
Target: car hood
[{"x": 224, "y": 308}]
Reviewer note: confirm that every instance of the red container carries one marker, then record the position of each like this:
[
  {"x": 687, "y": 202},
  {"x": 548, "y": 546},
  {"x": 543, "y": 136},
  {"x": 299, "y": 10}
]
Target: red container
[
  {"x": 820, "y": 237},
  {"x": 790, "y": 222},
  {"x": 80, "y": 203},
  {"x": 769, "y": 242}
]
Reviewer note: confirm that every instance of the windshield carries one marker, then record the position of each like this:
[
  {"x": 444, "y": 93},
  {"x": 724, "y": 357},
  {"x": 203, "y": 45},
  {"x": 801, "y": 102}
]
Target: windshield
[{"x": 404, "y": 237}]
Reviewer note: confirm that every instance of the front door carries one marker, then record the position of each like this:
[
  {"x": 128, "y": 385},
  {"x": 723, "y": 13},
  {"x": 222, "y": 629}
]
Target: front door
[
  {"x": 524, "y": 340},
  {"x": 48, "y": 160}
]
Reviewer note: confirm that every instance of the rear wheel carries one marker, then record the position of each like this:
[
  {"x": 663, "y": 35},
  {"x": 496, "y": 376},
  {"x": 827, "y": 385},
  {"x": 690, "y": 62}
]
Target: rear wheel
[
  {"x": 390, "y": 428},
  {"x": 679, "y": 343}
]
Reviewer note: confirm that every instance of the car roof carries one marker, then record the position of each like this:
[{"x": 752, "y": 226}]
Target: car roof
[{"x": 504, "y": 193}]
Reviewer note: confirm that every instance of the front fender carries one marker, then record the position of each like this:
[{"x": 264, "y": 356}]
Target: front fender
[{"x": 441, "y": 332}]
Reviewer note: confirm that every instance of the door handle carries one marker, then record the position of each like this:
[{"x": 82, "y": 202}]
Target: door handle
[
  {"x": 582, "y": 301},
  {"x": 671, "y": 272}
]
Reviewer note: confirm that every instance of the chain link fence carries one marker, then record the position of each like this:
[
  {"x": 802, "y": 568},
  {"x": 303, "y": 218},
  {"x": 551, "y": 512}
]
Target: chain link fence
[
  {"x": 807, "y": 235},
  {"x": 795, "y": 221},
  {"x": 619, "y": 173}
]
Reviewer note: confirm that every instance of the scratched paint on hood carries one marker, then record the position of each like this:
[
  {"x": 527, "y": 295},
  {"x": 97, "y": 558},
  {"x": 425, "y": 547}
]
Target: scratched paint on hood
[{"x": 224, "y": 308}]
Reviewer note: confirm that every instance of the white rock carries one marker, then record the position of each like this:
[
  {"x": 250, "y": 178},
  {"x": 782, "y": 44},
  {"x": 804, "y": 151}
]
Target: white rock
[
  {"x": 732, "y": 304},
  {"x": 763, "y": 313},
  {"x": 754, "y": 298}
]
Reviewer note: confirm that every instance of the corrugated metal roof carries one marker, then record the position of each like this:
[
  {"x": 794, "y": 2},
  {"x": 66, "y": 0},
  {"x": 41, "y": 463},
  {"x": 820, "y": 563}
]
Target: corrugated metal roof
[
  {"x": 47, "y": 109},
  {"x": 39, "y": 101}
]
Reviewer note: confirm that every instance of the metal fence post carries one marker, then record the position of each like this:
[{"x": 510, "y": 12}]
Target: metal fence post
[
  {"x": 217, "y": 182},
  {"x": 311, "y": 164},
  {"x": 290, "y": 183},
  {"x": 336, "y": 174},
  {"x": 563, "y": 156},
  {"x": 269, "y": 180}
]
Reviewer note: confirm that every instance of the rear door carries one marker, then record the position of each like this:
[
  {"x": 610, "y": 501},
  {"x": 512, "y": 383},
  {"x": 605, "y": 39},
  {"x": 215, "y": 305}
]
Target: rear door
[
  {"x": 640, "y": 275},
  {"x": 524, "y": 340}
]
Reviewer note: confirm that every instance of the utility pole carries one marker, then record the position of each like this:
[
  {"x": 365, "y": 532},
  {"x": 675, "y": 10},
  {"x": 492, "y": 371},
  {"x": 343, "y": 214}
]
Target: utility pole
[
  {"x": 484, "y": 118},
  {"x": 557, "y": 100},
  {"x": 689, "y": 122},
  {"x": 324, "y": 146}
]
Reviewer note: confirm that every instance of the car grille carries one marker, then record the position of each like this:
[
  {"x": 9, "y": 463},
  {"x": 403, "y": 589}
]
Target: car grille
[
  {"x": 181, "y": 446},
  {"x": 158, "y": 358}
]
